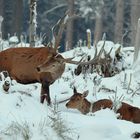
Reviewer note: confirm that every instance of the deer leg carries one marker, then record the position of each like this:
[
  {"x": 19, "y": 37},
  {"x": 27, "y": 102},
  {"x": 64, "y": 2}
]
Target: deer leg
[
  {"x": 42, "y": 97},
  {"x": 45, "y": 93}
]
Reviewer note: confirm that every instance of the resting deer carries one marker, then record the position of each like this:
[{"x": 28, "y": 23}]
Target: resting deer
[{"x": 126, "y": 111}]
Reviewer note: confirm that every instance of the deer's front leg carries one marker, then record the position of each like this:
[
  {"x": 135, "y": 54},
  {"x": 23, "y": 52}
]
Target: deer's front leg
[{"x": 45, "y": 93}]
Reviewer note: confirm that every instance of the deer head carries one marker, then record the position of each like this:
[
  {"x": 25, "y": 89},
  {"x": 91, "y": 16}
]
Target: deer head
[{"x": 79, "y": 101}]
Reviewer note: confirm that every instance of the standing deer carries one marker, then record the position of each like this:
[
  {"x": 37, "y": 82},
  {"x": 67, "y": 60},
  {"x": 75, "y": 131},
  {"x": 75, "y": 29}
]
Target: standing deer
[
  {"x": 126, "y": 111},
  {"x": 31, "y": 65}
]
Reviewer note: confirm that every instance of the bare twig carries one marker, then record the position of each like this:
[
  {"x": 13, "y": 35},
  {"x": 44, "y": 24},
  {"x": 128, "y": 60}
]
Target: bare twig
[
  {"x": 129, "y": 82},
  {"x": 63, "y": 101},
  {"x": 106, "y": 90}
]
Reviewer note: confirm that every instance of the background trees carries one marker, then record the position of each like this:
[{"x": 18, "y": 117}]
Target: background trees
[
  {"x": 135, "y": 15},
  {"x": 33, "y": 22},
  {"x": 119, "y": 21},
  {"x": 12, "y": 11},
  {"x": 116, "y": 18}
]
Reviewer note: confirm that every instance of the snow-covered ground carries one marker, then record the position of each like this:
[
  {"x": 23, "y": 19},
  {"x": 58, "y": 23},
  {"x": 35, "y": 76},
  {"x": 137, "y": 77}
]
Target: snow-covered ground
[{"x": 22, "y": 117}]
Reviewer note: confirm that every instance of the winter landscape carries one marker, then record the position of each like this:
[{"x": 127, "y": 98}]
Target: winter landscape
[
  {"x": 24, "y": 117},
  {"x": 79, "y": 52}
]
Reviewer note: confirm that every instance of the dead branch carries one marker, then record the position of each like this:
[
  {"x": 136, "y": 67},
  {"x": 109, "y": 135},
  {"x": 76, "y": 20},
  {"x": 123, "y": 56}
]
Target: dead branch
[
  {"x": 63, "y": 101},
  {"x": 106, "y": 90}
]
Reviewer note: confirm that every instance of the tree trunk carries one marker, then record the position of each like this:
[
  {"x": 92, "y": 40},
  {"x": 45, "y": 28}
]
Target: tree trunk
[
  {"x": 137, "y": 42},
  {"x": 135, "y": 14},
  {"x": 8, "y": 18},
  {"x": 1, "y": 7},
  {"x": 98, "y": 24},
  {"x": 69, "y": 31},
  {"x": 32, "y": 31},
  {"x": 1, "y": 20},
  {"x": 1, "y": 17},
  {"x": 98, "y": 28},
  {"x": 18, "y": 17},
  {"x": 119, "y": 21},
  {"x": 12, "y": 14}
]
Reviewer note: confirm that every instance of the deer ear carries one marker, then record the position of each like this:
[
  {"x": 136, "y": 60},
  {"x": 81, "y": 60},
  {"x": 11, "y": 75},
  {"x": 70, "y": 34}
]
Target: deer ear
[
  {"x": 74, "y": 90},
  {"x": 85, "y": 93}
]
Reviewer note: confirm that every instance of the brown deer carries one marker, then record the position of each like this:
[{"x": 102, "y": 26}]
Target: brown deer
[
  {"x": 31, "y": 65},
  {"x": 126, "y": 111}
]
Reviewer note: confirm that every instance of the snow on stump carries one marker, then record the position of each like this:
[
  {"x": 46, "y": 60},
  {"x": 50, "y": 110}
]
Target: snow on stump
[{"x": 88, "y": 38}]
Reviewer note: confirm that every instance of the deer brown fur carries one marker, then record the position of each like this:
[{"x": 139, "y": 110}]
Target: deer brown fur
[
  {"x": 30, "y": 65},
  {"x": 126, "y": 111}
]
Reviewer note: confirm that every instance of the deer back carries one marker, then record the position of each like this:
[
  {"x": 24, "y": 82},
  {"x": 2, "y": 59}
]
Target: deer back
[
  {"x": 101, "y": 104},
  {"x": 129, "y": 113},
  {"x": 22, "y": 63}
]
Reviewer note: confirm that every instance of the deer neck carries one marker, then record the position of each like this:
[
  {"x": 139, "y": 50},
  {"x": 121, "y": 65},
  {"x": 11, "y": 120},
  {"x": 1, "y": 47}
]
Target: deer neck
[{"x": 85, "y": 106}]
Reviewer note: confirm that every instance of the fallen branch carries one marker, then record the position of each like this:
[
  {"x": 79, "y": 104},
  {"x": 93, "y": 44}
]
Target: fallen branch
[
  {"x": 63, "y": 101},
  {"x": 106, "y": 89},
  {"x": 23, "y": 93}
]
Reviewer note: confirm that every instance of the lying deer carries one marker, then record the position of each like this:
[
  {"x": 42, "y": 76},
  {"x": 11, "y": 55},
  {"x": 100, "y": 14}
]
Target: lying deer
[{"x": 126, "y": 111}]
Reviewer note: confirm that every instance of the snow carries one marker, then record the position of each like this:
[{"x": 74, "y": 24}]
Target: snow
[
  {"x": 86, "y": 10},
  {"x": 13, "y": 39},
  {"x": 88, "y": 31},
  {"x": 1, "y": 19},
  {"x": 20, "y": 109}
]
